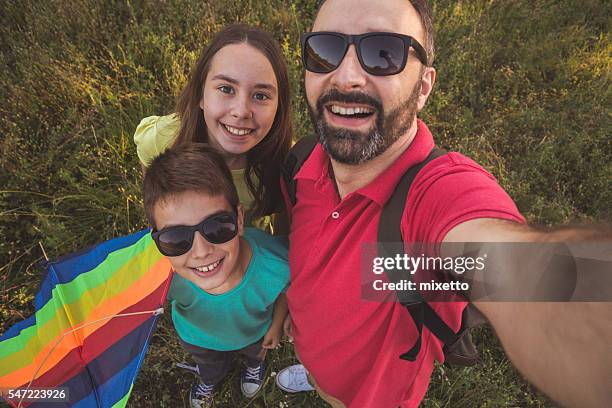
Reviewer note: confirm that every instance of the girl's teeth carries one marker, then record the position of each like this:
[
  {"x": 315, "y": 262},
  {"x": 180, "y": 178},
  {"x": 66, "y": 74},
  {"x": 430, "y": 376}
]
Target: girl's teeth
[{"x": 236, "y": 131}]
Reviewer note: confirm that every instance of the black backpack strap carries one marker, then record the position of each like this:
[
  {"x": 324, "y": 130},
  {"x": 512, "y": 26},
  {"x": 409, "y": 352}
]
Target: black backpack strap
[
  {"x": 389, "y": 224},
  {"x": 389, "y": 232},
  {"x": 295, "y": 159},
  {"x": 423, "y": 313}
]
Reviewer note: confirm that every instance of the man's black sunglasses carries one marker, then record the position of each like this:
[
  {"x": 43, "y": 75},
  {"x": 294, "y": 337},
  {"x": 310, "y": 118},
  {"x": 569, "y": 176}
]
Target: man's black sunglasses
[
  {"x": 379, "y": 53},
  {"x": 218, "y": 228}
]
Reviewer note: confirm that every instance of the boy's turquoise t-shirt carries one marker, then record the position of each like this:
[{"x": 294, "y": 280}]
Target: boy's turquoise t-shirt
[{"x": 242, "y": 316}]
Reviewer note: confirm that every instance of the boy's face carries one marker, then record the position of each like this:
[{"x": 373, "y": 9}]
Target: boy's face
[{"x": 228, "y": 265}]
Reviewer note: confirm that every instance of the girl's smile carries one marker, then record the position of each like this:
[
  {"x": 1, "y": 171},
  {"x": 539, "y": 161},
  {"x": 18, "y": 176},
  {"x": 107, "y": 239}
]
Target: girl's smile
[{"x": 239, "y": 104}]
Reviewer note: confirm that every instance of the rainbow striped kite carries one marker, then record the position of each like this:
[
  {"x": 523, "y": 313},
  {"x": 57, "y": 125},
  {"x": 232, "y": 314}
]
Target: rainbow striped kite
[{"x": 95, "y": 313}]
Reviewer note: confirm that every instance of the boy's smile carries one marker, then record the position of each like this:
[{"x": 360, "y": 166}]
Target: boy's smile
[
  {"x": 207, "y": 271},
  {"x": 214, "y": 268}
]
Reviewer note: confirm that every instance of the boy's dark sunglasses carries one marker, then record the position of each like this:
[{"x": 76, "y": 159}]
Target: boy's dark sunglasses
[
  {"x": 379, "y": 53},
  {"x": 219, "y": 228}
]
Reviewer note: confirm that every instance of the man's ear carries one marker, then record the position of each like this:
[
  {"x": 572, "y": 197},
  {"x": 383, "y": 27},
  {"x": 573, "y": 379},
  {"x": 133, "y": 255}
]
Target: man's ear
[
  {"x": 240, "y": 218},
  {"x": 428, "y": 80}
]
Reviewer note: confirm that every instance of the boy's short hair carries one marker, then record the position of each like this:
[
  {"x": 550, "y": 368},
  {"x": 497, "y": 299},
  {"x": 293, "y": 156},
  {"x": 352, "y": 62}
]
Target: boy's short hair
[{"x": 196, "y": 167}]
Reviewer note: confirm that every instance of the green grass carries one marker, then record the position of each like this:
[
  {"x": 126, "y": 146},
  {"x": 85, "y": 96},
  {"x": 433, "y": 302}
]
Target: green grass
[{"x": 523, "y": 88}]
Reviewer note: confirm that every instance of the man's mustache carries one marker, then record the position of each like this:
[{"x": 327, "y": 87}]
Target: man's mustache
[{"x": 333, "y": 95}]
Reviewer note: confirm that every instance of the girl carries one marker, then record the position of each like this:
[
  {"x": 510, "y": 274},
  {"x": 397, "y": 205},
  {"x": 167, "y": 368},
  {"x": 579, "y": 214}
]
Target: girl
[{"x": 237, "y": 100}]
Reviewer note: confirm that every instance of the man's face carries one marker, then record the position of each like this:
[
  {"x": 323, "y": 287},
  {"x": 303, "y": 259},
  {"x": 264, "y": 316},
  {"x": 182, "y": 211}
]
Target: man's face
[{"x": 358, "y": 115}]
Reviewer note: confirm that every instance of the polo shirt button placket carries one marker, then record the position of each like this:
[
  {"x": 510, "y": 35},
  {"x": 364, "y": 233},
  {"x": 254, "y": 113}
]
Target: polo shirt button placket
[{"x": 335, "y": 215}]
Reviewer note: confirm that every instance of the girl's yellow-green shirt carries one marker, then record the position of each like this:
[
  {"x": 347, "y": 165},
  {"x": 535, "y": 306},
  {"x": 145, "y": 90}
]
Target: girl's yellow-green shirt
[{"x": 155, "y": 134}]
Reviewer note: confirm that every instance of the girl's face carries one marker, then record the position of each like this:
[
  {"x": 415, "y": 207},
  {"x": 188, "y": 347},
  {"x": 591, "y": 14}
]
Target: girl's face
[{"x": 239, "y": 101}]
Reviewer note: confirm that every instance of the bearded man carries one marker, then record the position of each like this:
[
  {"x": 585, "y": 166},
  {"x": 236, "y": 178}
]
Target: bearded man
[{"x": 368, "y": 73}]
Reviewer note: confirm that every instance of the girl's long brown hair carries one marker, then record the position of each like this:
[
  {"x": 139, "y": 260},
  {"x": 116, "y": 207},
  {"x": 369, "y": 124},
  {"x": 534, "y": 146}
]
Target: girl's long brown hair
[{"x": 264, "y": 160}]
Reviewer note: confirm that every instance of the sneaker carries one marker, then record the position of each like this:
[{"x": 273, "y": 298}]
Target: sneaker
[
  {"x": 293, "y": 379},
  {"x": 200, "y": 395},
  {"x": 251, "y": 380}
]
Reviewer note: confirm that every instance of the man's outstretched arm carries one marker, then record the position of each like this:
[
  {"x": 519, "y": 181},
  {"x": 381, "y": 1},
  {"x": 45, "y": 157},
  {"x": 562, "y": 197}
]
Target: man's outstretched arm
[{"x": 563, "y": 348}]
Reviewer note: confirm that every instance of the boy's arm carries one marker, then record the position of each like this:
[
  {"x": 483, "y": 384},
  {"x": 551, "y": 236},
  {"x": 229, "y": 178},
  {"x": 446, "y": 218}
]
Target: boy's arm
[
  {"x": 272, "y": 338},
  {"x": 280, "y": 311}
]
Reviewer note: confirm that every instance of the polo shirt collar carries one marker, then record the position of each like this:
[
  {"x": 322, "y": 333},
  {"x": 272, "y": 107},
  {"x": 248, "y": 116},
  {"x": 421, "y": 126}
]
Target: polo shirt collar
[{"x": 316, "y": 167}]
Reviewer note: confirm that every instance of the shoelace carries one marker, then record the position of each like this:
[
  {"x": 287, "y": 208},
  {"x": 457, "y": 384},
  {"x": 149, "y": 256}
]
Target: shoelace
[
  {"x": 252, "y": 373},
  {"x": 204, "y": 390},
  {"x": 188, "y": 367}
]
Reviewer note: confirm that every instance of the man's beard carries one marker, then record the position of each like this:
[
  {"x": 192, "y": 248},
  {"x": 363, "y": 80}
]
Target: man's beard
[{"x": 355, "y": 147}]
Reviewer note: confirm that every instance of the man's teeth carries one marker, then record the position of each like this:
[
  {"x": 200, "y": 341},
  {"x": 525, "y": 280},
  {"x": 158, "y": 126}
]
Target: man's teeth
[
  {"x": 209, "y": 267},
  {"x": 236, "y": 131},
  {"x": 350, "y": 111}
]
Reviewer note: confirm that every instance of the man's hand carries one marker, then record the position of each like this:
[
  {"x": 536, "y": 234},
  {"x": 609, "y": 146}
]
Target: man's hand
[{"x": 563, "y": 348}]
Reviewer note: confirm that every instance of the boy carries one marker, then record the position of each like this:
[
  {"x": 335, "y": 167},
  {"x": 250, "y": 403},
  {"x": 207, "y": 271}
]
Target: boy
[{"x": 227, "y": 293}]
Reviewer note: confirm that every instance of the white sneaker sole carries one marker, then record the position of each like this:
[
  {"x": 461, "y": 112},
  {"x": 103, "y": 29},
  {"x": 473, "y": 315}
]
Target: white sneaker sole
[{"x": 291, "y": 391}]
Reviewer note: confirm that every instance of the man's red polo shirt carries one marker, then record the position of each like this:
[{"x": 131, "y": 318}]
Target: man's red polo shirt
[{"x": 351, "y": 346}]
